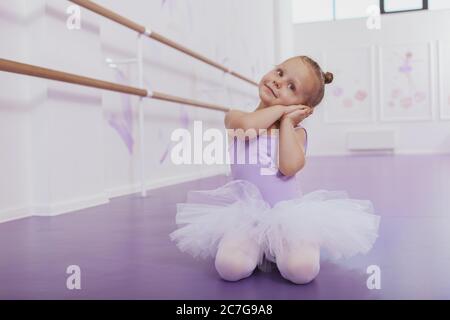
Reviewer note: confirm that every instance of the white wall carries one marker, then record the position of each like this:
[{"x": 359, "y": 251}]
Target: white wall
[
  {"x": 15, "y": 113},
  {"x": 59, "y": 152},
  {"x": 411, "y": 137},
  {"x": 284, "y": 38}
]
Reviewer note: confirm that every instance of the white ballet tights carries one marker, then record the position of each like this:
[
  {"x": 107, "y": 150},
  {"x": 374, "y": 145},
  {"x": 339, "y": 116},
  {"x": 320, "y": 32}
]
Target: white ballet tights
[
  {"x": 237, "y": 257},
  {"x": 299, "y": 264}
]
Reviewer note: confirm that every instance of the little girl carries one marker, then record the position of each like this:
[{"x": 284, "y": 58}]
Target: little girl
[{"x": 261, "y": 217}]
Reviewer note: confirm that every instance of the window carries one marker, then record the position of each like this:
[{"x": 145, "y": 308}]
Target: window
[
  {"x": 309, "y": 11},
  {"x": 329, "y": 10},
  {"x": 353, "y": 8},
  {"x": 392, "y": 6}
]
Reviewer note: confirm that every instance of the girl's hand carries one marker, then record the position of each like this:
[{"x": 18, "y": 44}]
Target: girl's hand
[
  {"x": 296, "y": 114},
  {"x": 291, "y": 108}
]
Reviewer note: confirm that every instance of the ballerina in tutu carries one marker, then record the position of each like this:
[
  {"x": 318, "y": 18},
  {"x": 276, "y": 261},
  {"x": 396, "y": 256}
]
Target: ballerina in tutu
[{"x": 261, "y": 217}]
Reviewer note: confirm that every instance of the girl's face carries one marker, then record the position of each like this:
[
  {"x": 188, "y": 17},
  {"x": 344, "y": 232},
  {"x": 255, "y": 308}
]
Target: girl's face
[{"x": 290, "y": 83}]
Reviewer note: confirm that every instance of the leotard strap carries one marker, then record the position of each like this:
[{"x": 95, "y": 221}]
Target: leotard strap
[{"x": 306, "y": 136}]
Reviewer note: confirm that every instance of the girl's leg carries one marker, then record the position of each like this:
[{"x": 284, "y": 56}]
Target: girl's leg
[
  {"x": 300, "y": 263},
  {"x": 237, "y": 256}
]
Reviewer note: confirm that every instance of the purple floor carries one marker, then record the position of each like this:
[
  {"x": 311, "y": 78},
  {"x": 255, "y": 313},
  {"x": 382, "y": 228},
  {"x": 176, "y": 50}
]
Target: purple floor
[{"x": 124, "y": 251}]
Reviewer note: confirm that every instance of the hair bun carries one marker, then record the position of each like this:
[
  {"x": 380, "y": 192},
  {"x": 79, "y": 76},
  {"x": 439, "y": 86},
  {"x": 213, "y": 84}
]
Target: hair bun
[{"x": 328, "y": 77}]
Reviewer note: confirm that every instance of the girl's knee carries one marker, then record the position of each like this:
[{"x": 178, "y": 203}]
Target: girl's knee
[
  {"x": 301, "y": 272},
  {"x": 300, "y": 269},
  {"x": 237, "y": 257},
  {"x": 234, "y": 267}
]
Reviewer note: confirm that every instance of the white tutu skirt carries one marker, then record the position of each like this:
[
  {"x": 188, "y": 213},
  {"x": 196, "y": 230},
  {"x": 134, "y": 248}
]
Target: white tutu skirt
[{"x": 341, "y": 226}]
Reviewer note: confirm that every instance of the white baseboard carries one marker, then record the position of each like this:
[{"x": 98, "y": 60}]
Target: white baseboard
[
  {"x": 186, "y": 178},
  {"x": 11, "y": 214},
  {"x": 63, "y": 207},
  {"x": 423, "y": 152},
  {"x": 396, "y": 152},
  {"x": 165, "y": 182},
  {"x": 122, "y": 191}
]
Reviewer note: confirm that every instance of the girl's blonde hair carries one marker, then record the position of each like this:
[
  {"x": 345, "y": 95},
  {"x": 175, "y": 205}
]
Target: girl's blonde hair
[{"x": 324, "y": 78}]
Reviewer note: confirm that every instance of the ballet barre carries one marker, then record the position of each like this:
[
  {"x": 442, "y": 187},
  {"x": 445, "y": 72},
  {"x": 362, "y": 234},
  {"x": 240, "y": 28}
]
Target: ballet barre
[
  {"x": 45, "y": 73},
  {"x": 143, "y": 32},
  {"x": 87, "y": 4},
  {"x": 35, "y": 71}
]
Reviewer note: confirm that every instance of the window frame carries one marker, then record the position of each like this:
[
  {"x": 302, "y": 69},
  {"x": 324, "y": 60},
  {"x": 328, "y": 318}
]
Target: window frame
[{"x": 383, "y": 11}]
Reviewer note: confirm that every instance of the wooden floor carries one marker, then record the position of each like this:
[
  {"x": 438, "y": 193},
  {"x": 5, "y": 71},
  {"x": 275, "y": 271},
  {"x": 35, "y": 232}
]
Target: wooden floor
[{"x": 124, "y": 251}]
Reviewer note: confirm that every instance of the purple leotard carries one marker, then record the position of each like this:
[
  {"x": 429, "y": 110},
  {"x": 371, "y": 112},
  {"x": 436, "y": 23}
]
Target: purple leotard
[{"x": 263, "y": 171}]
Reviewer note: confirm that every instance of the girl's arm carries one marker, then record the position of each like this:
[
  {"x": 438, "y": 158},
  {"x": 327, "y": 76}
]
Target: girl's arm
[
  {"x": 291, "y": 152},
  {"x": 259, "y": 119}
]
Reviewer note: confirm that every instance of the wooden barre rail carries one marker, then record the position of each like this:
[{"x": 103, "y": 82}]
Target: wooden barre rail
[
  {"x": 35, "y": 71},
  {"x": 87, "y": 4}
]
